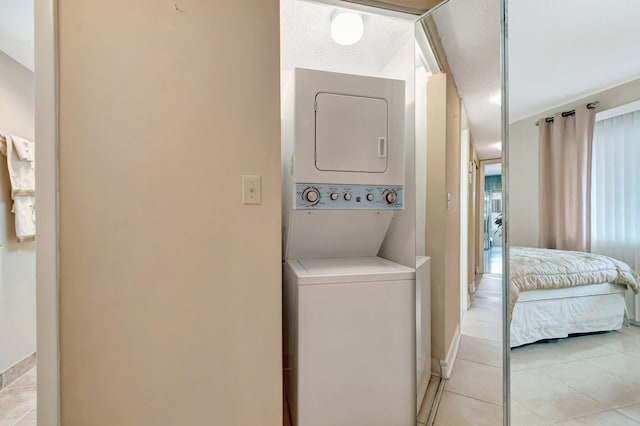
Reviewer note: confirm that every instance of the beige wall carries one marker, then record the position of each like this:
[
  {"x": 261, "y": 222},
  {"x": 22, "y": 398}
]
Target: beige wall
[
  {"x": 170, "y": 291},
  {"x": 17, "y": 261},
  {"x": 523, "y": 162},
  {"x": 442, "y": 229},
  {"x": 452, "y": 241}
]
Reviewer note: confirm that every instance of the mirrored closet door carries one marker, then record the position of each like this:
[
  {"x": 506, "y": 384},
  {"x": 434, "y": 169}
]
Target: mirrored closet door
[
  {"x": 459, "y": 210},
  {"x": 574, "y": 212}
]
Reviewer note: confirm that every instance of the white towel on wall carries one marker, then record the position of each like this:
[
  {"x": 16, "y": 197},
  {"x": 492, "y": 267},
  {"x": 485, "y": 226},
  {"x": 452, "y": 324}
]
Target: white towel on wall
[
  {"x": 21, "y": 164},
  {"x": 20, "y": 155},
  {"x": 24, "y": 148},
  {"x": 24, "y": 207}
]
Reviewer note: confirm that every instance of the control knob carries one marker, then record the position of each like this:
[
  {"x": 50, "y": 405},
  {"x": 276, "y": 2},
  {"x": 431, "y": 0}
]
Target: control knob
[
  {"x": 390, "y": 196},
  {"x": 333, "y": 196},
  {"x": 369, "y": 197},
  {"x": 311, "y": 195},
  {"x": 347, "y": 196}
]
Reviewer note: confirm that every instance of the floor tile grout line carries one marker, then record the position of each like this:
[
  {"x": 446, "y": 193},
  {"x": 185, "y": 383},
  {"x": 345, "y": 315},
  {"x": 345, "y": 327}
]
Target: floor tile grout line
[
  {"x": 562, "y": 419},
  {"x": 24, "y": 415},
  {"x": 481, "y": 338},
  {"x": 623, "y": 414},
  {"x": 476, "y": 362},
  {"x": 591, "y": 365},
  {"x": 600, "y": 412},
  {"x": 471, "y": 397},
  {"x": 575, "y": 391}
]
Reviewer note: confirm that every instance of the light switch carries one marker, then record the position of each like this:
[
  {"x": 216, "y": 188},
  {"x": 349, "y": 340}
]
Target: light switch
[{"x": 251, "y": 189}]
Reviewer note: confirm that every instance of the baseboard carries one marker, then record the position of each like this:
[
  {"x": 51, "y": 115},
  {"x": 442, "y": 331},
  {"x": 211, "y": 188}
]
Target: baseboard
[
  {"x": 446, "y": 365},
  {"x": 9, "y": 375},
  {"x": 435, "y": 368}
]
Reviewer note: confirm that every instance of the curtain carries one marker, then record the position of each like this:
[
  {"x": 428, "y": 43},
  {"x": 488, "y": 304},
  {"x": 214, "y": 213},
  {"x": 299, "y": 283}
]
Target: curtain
[
  {"x": 615, "y": 227},
  {"x": 565, "y": 180}
]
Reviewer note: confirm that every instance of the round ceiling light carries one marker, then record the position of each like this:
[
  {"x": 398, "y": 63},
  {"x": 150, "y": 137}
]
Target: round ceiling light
[{"x": 347, "y": 28}]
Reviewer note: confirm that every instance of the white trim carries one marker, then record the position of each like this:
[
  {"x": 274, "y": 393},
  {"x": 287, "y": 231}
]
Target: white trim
[
  {"x": 465, "y": 140},
  {"x": 446, "y": 365},
  {"x": 619, "y": 110},
  {"x": 480, "y": 218},
  {"x": 46, "y": 136}
]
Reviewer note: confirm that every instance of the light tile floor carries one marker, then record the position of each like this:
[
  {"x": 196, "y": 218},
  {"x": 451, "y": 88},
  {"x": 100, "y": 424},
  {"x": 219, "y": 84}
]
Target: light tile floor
[
  {"x": 473, "y": 393},
  {"x": 493, "y": 260},
  {"x": 18, "y": 401},
  {"x": 584, "y": 380}
]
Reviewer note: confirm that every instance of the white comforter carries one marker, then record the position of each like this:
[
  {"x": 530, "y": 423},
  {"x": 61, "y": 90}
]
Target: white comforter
[{"x": 534, "y": 268}]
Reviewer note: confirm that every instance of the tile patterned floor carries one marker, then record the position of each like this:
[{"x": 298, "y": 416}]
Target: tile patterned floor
[
  {"x": 18, "y": 401},
  {"x": 584, "y": 380},
  {"x": 473, "y": 394}
]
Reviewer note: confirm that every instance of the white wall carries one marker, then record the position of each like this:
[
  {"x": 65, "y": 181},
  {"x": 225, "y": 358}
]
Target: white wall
[
  {"x": 17, "y": 261},
  {"x": 400, "y": 243},
  {"x": 523, "y": 162},
  {"x": 421, "y": 156}
]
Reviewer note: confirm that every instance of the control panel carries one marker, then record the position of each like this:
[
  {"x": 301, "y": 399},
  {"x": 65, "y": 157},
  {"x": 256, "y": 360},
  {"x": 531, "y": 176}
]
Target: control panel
[{"x": 314, "y": 196}]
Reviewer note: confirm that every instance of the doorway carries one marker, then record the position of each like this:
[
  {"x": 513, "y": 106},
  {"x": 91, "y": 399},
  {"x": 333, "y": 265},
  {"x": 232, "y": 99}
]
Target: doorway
[{"x": 490, "y": 217}]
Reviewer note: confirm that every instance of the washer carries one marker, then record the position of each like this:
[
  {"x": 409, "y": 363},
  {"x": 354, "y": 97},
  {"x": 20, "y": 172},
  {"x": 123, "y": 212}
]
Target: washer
[{"x": 350, "y": 334}]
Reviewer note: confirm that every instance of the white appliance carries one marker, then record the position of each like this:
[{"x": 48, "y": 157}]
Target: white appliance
[
  {"x": 343, "y": 163},
  {"x": 350, "y": 342},
  {"x": 349, "y": 316}
]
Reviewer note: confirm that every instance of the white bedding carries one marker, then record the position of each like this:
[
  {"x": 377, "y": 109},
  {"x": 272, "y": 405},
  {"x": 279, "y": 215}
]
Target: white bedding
[{"x": 536, "y": 269}]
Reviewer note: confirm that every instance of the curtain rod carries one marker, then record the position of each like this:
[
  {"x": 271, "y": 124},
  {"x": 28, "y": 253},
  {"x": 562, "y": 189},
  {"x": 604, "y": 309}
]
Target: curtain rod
[{"x": 590, "y": 105}]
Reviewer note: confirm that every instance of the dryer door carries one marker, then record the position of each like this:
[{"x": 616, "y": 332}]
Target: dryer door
[{"x": 351, "y": 133}]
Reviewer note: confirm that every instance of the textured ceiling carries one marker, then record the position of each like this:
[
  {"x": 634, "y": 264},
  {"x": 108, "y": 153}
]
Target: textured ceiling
[
  {"x": 306, "y": 39},
  {"x": 470, "y": 34},
  {"x": 16, "y": 30},
  {"x": 560, "y": 51}
]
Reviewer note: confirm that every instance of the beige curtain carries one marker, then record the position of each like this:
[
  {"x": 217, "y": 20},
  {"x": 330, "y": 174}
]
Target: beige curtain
[{"x": 565, "y": 180}]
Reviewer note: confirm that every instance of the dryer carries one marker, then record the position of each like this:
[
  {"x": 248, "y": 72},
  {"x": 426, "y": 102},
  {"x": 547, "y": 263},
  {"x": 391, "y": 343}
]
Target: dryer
[{"x": 343, "y": 163}]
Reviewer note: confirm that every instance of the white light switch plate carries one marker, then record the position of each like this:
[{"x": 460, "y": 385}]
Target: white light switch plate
[{"x": 251, "y": 189}]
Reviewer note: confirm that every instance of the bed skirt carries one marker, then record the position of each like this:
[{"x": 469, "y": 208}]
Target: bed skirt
[{"x": 549, "y": 314}]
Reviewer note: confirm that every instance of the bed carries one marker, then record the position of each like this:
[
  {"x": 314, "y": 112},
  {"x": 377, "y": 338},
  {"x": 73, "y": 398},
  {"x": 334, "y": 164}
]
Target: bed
[{"x": 555, "y": 293}]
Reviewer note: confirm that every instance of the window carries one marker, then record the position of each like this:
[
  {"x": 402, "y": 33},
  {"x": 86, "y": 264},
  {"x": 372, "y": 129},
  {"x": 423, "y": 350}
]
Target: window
[{"x": 615, "y": 186}]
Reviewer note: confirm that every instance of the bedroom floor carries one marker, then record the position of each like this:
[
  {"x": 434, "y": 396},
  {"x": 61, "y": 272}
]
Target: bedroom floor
[
  {"x": 586, "y": 380},
  {"x": 18, "y": 401}
]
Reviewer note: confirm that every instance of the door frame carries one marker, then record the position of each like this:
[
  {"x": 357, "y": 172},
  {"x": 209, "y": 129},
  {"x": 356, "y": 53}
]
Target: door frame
[
  {"x": 46, "y": 135},
  {"x": 480, "y": 213}
]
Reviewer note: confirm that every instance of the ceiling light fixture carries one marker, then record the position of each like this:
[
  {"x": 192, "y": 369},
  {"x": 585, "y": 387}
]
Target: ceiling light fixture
[{"x": 347, "y": 28}]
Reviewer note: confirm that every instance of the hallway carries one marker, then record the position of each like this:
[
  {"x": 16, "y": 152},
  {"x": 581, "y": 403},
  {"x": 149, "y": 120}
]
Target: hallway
[
  {"x": 473, "y": 394},
  {"x": 493, "y": 260}
]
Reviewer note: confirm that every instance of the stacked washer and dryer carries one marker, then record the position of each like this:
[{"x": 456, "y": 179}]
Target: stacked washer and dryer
[{"x": 349, "y": 316}]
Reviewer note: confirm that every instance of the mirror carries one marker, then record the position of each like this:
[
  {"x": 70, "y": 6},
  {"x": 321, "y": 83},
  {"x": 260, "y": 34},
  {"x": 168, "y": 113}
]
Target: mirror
[
  {"x": 574, "y": 156},
  {"x": 458, "y": 212}
]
